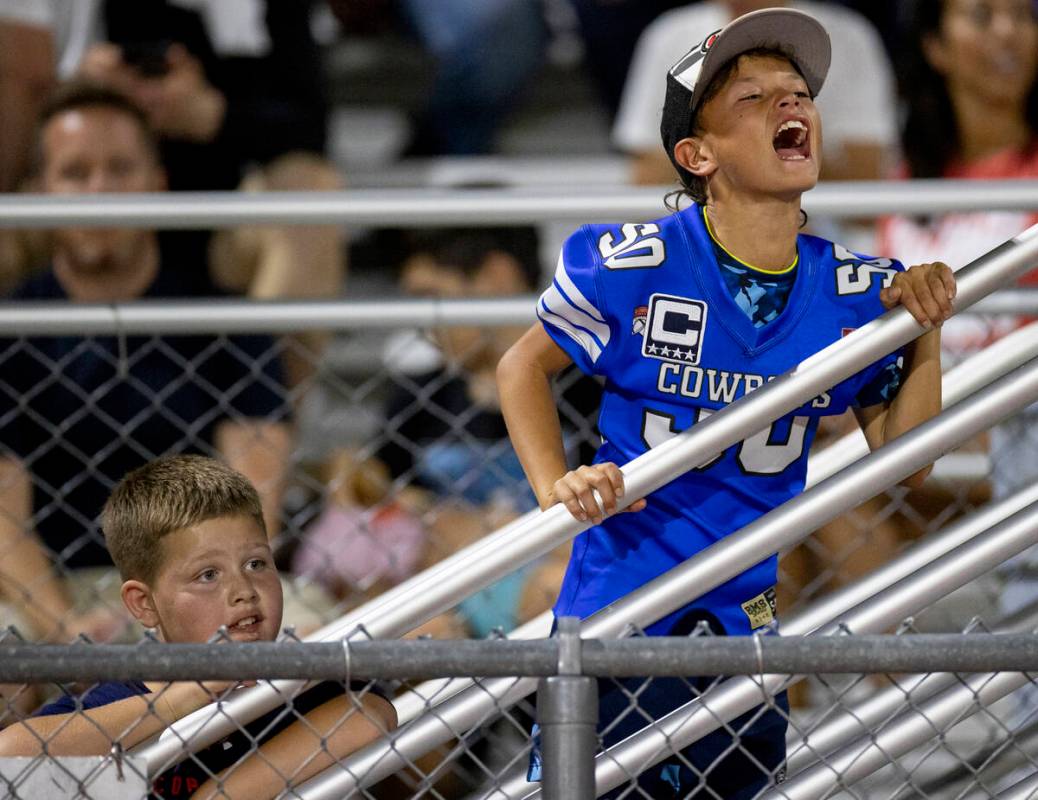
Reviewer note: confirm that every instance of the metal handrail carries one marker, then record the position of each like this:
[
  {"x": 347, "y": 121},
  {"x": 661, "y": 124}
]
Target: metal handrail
[
  {"x": 850, "y": 723},
  {"x": 736, "y": 696},
  {"x": 776, "y": 530},
  {"x": 1024, "y": 789},
  {"x": 60, "y": 318},
  {"x": 960, "y": 381},
  {"x": 429, "y": 207},
  {"x": 793, "y": 521},
  {"x": 408, "y": 659},
  {"x": 917, "y": 724},
  {"x": 438, "y": 589}
]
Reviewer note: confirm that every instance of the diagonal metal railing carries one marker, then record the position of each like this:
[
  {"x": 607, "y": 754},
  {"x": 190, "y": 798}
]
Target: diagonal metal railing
[
  {"x": 1025, "y": 789},
  {"x": 848, "y": 723},
  {"x": 686, "y": 725},
  {"x": 441, "y": 587},
  {"x": 781, "y": 528},
  {"x": 1006, "y": 750},
  {"x": 919, "y": 723},
  {"x": 960, "y": 381}
]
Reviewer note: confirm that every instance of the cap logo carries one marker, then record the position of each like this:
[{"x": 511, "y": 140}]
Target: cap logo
[{"x": 687, "y": 70}]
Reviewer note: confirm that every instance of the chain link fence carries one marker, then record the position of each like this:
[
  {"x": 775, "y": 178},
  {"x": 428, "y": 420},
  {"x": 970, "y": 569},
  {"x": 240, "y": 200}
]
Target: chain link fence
[
  {"x": 389, "y": 455},
  {"x": 909, "y": 715},
  {"x": 379, "y": 453},
  {"x": 370, "y": 468}
]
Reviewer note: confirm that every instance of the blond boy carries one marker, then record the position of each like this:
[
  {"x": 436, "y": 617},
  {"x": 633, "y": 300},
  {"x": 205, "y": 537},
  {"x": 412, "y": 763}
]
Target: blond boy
[{"x": 188, "y": 537}]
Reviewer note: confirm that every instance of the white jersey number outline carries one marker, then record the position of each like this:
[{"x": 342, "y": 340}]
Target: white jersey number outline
[
  {"x": 758, "y": 454},
  {"x": 855, "y": 275},
  {"x": 636, "y": 250}
]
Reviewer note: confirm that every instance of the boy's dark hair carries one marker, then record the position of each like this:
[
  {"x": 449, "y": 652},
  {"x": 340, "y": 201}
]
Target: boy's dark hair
[
  {"x": 931, "y": 138},
  {"x": 167, "y": 495},
  {"x": 466, "y": 249},
  {"x": 693, "y": 186},
  {"x": 81, "y": 94}
]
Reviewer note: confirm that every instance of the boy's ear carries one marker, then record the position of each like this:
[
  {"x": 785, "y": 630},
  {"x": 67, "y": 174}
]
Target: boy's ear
[
  {"x": 695, "y": 155},
  {"x": 139, "y": 602}
]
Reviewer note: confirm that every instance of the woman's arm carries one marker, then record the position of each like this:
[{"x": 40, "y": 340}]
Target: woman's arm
[
  {"x": 524, "y": 384},
  {"x": 927, "y": 291}
]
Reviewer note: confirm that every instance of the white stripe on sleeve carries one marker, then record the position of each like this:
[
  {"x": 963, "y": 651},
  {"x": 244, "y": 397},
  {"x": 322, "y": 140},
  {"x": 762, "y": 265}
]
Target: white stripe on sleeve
[
  {"x": 581, "y": 337},
  {"x": 573, "y": 306}
]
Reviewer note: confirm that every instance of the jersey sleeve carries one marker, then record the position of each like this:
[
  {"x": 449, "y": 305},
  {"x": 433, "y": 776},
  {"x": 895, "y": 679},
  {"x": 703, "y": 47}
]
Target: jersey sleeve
[
  {"x": 880, "y": 382},
  {"x": 98, "y": 695},
  {"x": 884, "y": 383},
  {"x": 570, "y": 308}
]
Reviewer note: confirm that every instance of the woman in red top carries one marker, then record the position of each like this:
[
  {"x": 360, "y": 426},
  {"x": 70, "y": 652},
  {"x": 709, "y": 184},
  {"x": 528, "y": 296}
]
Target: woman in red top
[
  {"x": 971, "y": 96},
  {"x": 970, "y": 85}
]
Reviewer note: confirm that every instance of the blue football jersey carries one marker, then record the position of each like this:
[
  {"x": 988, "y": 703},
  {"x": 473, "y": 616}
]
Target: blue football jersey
[{"x": 646, "y": 307}]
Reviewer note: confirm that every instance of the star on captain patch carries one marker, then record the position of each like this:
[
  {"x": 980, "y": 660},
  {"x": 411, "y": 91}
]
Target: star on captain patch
[{"x": 641, "y": 313}]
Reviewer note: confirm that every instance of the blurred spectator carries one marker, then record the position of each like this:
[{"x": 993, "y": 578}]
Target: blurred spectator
[
  {"x": 970, "y": 84},
  {"x": 235, "y": 92},
  {"x": 885, "y": 17},
  {"x": 857, "y": 103},
  {"x": 444, "y": 430},
  {"x": 485, "y": 53},
  {"x": 971, "y": 100},
  {"x": 77, "y": 413},
  {"x": 364, "y": 541},
  {"x": 610, "y": 30}
]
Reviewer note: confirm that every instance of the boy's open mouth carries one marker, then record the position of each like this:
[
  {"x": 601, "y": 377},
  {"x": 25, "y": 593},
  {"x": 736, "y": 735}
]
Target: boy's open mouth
[
  {"x": 791, "y": 142},
  {"x": 245, "y": 624}
]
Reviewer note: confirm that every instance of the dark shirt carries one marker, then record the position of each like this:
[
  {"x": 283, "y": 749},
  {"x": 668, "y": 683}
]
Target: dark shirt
[
  {"x": 183, "y": 779},
  {"x": 276, "y": 100},
  {"x": 80, "y": 412}
]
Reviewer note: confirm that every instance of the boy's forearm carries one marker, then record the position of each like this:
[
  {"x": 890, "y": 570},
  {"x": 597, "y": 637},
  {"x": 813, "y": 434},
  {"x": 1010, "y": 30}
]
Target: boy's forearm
[
  {"x": 530, "y": 413},
  {"x": 330, "y": 732},
  {"x": 919, "y": 398},
  {"x": 93, "y": 731}
]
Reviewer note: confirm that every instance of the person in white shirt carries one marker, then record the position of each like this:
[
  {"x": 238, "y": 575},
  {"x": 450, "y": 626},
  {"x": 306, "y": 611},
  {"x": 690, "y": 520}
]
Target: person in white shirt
[{"x": 858, "y": 103}]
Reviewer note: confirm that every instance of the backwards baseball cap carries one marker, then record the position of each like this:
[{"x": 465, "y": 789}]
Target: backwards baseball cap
[{"x": 795, "y": 33}]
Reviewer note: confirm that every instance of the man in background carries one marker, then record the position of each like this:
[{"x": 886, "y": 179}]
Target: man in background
[{"x": 77, "y": 413}]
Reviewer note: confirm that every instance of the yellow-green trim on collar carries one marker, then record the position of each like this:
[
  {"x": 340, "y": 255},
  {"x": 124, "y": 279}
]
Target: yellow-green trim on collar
[{"x": 783, "y": 271}]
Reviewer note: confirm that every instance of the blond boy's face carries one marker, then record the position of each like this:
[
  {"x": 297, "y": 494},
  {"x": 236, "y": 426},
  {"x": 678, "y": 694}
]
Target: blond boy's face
[{"x": 217, "y": 573}]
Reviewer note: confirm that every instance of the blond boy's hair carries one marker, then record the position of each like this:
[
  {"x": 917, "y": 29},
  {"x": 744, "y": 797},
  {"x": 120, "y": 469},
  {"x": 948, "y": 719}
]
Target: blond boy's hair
[{"x": 166, "y": 495}]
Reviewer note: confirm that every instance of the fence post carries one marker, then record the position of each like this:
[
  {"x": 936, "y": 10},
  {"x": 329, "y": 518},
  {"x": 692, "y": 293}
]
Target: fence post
[{"x": 567, "y": 712}]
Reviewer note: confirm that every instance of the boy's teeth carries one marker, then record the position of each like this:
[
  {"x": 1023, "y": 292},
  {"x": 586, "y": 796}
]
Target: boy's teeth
[{"x": 245, "y": 622}]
